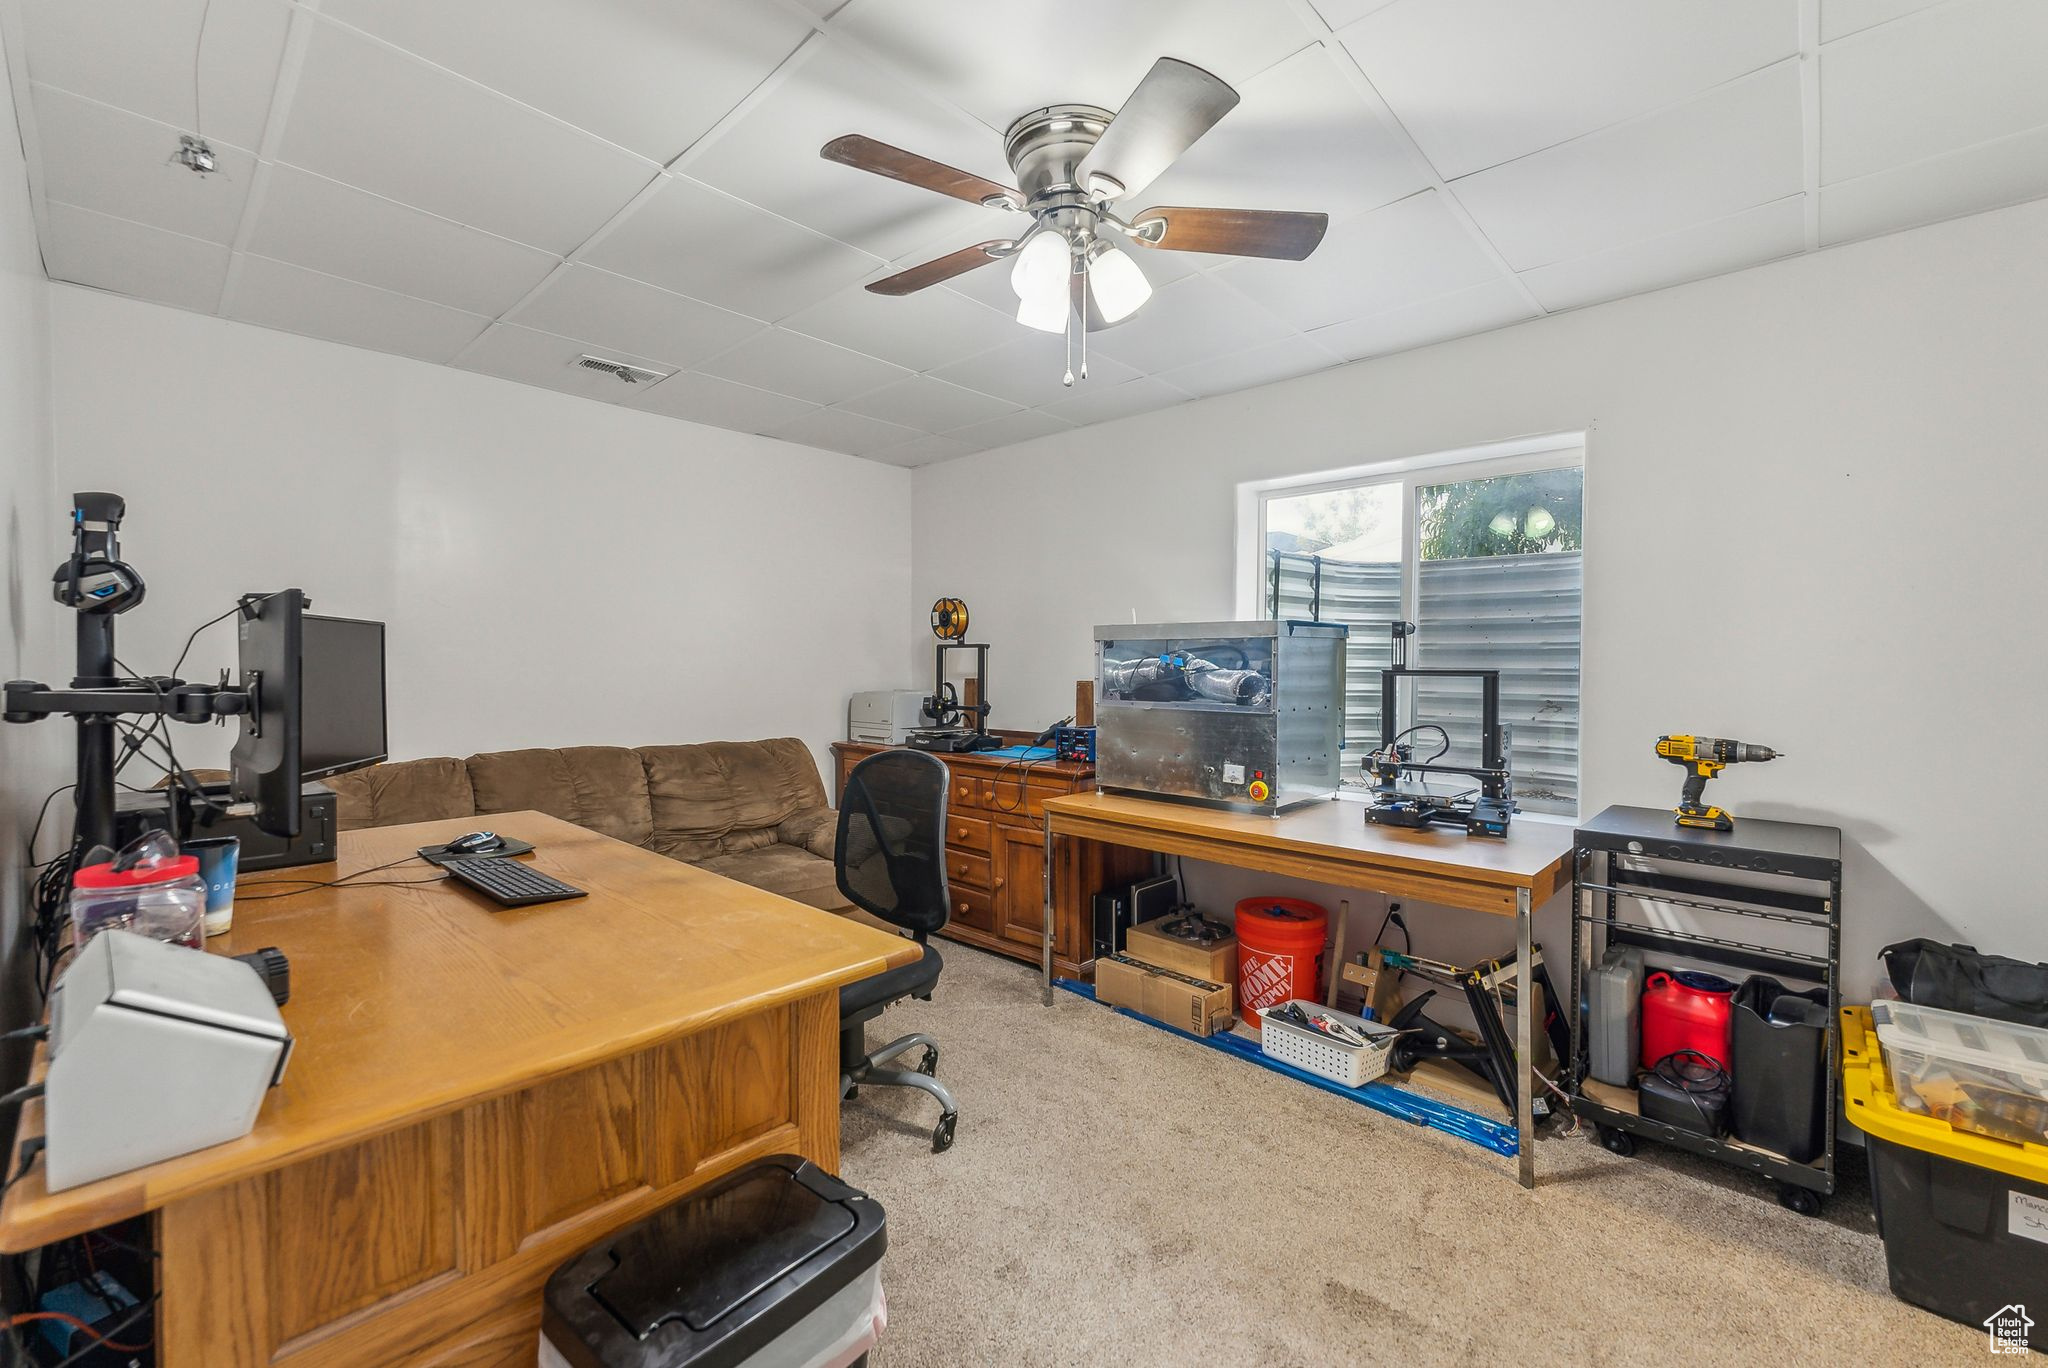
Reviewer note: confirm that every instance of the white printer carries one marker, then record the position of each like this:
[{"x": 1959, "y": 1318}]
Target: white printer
[
  {"x": 885, "y": 717},
  {"x": 155, "y": 1050}
]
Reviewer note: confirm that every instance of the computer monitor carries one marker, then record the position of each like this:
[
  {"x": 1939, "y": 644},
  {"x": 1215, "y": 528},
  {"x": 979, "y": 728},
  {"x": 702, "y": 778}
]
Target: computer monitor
[
  {"x": 342, "y": 714},
  {"x": 263, "y": 769}
]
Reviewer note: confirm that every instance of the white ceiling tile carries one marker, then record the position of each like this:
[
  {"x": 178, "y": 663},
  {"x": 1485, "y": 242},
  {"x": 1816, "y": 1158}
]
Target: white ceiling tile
[
  {"x": 1089, "y": 404},
  {"x": 923, "y": 451},
  {"x": 326, "y": 226},
  {"x": 1303, "y": 137},
  {"x": 1022, "y": 426},
  {"x": 371, "y": 117},
  {"x": 803, "y": 367},
  {"x": 1480, "y": 82},
  {"x": 272, "y": 294},
  {"x": 1067, "y": 51},
  {"x": 537, "y": 358},
  {"x": 118, "y": 163},
  {"x": 133, "y": 259},
  {"x": 769, "y": 157},
  {"x": 1338, "y": 13},
  {"x": 721, "y": 403},
  {"x": 920, "y": 401},
  {"x": 1750, "y": 238},
  {"x": 1840, "y": 18},
  {"x": 1733, "y": 148},
  {"x": 1027, "y": 369},
  {"x": 1410, "y": 250},
  {"x": 138, "y": 55},
  {"x": 837, "y": 430},
  {"x": 691, "y": 239},
  {"x": 921, "y": 330},
  {"x": 1190, "y": 320},
  {"x": 1283, "y": 360},
  {"x": 1984, "y": 177},
  {"x": 611, "y": 311},
  {"x": 652, "y": 76},
  {"x": 1481, "y": 308},
  {"x": 1940, "y": 80}
]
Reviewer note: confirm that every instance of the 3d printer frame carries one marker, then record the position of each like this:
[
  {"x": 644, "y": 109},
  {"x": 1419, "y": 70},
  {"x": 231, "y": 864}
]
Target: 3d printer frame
[{"x": 1486, "y": 816}]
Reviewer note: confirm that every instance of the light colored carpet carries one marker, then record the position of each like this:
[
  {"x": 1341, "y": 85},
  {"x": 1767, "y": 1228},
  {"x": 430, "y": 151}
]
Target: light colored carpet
[{"x": 1119, "y": 1195}]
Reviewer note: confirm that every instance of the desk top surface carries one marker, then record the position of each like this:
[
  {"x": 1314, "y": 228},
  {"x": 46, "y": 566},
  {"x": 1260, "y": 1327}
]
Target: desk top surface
[
  {"x": 1532, "y": 855},
  {"x": 409, "y": 1001}
]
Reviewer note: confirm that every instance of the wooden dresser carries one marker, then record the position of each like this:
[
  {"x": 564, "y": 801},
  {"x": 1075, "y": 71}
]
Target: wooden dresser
[{"x": 995, "y": 856}]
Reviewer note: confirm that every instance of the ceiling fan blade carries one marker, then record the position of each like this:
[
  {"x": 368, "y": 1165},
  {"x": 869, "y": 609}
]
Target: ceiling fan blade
[
  {"x": 1175, "y": 104},
  {"x": 942, "y": 268},
  {"x": 1280, "y": 233},
  {"x": 865, "y": 154}
]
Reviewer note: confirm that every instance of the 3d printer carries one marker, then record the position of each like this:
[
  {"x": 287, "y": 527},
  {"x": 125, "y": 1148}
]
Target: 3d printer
[
  {"x": 943, "y": 707},
  {"x": 1484, "y": 811}
]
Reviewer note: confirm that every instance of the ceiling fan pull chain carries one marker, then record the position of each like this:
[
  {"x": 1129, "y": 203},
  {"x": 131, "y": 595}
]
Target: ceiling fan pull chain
[{"x": 1072, "y": 294}]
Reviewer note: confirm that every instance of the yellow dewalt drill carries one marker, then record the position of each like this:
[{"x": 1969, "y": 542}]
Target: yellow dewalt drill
[{"x": 1704, "y": 757}]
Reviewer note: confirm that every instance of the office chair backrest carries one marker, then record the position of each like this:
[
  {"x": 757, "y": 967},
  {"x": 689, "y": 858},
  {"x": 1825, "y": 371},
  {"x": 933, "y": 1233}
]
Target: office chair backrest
[{"x": 891, "y": 855}]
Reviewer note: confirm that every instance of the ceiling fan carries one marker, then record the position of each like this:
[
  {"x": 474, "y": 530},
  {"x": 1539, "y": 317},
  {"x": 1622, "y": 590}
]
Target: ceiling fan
[{"x": 1073, "y": 162}]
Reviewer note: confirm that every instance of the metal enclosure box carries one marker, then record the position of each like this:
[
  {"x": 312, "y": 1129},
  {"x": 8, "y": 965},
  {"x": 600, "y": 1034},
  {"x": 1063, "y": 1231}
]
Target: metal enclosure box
[
  {"x": 1241, "y": 715},
  {"x": 885, "y": 717}
]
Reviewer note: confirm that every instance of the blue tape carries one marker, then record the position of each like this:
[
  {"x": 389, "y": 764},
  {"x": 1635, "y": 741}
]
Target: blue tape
[{"x": 1387, "y": 1098}]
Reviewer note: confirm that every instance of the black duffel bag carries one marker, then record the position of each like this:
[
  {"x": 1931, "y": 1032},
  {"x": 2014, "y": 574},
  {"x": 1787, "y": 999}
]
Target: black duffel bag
[{"x": 1957, "y": 978}]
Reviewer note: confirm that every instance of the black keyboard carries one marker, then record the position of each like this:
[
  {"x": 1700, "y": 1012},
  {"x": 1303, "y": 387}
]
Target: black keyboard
[{"x": 510, "y": 882}]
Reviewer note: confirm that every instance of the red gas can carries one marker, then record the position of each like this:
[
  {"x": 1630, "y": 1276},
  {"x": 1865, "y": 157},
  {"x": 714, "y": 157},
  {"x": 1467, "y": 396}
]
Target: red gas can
[{"x": 1687, "y": 1010}]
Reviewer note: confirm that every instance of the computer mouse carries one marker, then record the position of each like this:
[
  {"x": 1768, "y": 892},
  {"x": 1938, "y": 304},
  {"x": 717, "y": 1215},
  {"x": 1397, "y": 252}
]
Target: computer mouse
[{"x": 476, "y": 843}]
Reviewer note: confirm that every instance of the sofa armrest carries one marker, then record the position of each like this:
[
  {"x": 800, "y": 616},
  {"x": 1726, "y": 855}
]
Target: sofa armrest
[{"x": 812, "y": 829}]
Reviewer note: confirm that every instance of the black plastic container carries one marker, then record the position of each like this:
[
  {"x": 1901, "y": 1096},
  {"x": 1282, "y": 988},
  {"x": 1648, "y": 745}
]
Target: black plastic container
[{"x": 1779, "y": 1068}]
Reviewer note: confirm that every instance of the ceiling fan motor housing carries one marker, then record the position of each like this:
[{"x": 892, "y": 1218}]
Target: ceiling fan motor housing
[{"x": 1045, "y": 147}]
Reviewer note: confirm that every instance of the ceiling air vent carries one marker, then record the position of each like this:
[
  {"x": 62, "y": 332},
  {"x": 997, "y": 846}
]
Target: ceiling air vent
[{"x": 632, "y": 375}]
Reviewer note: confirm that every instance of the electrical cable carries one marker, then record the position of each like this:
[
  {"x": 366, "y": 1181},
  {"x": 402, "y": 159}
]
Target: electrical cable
[
  {"x": 345, "y": 881},
  {"x": 99, "y": 1341},
  {"x": 198, "y": 45}
]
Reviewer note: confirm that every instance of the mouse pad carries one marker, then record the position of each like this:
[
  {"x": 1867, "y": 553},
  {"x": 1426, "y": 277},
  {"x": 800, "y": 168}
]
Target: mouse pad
[{"x": 438, "y": 854}]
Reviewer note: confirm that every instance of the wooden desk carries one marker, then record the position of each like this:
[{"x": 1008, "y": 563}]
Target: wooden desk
[
  {"x": 1333, "y": 843},
  {"x": 476, "y": 1095}
]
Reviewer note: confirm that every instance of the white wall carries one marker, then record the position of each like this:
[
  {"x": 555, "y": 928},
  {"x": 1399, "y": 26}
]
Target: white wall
[
  {"x": 553, "y": 571},
  {"x": 1817, "y": 505}
]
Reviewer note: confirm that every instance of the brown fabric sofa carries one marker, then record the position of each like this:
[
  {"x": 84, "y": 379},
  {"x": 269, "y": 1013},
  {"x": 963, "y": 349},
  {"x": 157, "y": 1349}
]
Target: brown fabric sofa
[{"x": 754, "y": 811}]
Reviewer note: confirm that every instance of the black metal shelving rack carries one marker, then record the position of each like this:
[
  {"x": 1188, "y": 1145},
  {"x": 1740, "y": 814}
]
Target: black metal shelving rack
[{"x": 1628, "y": 852}]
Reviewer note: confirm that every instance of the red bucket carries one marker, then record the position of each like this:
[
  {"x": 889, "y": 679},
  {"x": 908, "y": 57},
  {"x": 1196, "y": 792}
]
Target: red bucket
[{"x": 1279, "y": 953}]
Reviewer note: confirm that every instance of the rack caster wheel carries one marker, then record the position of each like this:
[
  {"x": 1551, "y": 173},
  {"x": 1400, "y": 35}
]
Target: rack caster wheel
[
  {"x": 942, "y": 1134},
  {"x": 929, "y": 1065},
  {"x": 1805, "y": 1201},
  {"x": 1616, "y": 1141}
]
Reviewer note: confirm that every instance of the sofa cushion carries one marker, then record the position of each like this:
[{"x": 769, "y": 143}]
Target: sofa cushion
[
  {"x": 600, "y": 787},
  {"x": 792, "y": 873},
  {"x": 402, "y": 791},
  {"x": 726, "y": 797}
]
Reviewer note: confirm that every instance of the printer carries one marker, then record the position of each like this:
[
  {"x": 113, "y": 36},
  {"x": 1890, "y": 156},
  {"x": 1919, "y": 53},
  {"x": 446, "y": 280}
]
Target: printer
[
  {"x": 885, "y": 717},
  {"x": 156, "y": 1050}
]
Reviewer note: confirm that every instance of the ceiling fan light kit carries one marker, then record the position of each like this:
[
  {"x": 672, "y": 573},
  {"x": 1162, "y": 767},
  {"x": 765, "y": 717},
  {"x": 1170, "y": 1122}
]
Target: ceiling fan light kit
[{"x": 1072, "y": 162}]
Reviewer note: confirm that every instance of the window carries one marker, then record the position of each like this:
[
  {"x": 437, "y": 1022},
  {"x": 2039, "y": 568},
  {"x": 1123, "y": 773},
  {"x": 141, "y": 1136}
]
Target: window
[{"x": 1482, "y": 551}]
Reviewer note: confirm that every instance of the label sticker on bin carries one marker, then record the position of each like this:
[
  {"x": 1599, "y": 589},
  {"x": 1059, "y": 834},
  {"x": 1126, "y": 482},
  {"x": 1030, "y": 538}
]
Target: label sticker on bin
[{"x": 2027, "y": 1216}]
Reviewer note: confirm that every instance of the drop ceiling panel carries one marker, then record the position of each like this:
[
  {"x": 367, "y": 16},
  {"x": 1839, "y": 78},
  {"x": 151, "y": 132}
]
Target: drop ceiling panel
[
  {"x": 1937, "y": 81},
  {"x": 118, "y": 163},
  {"x": 997, "y": 65},
  {"x": 691, "y": 239},
  {"x": 1027, "y": 369},
  {"x": 537, "y": 358},
  {"x": 371, "y": 117},
  {"x": 1495, "y": 304},
  {"x": 1290, "y": 356},
  {"x": 272, "y": 294},
  {"x": 921, "y": 401},
  {"x": 1190, "y": 320},
  {"x": 1338, "y": 13},
  {"x": 613, "y": 312},
  {"x": 1369, "y": 263},
  {"x": 1091, "y": 404},
  {"x": 769, "y": 156},
  {"x": 921, "y": 330},
  {"x": 1729, "y": 150},
  {"x": 1024, "y": 425},
  {"x": 133, "y": 259},
  {"x": 326, "y": 226},
  {"x": 1754, "y": 236},
  {"x": 721, "y": 403},
  {"x": 1840, "y": 18},
  {"x": 1985, "y": 177},
  {"x": 138, "y": 55},
  {"x": 652, "y": 76},
  {"x": 803, "y": 367},
  {"x": 1480, "y": 82},
  {"x": 852, "y": 433}
]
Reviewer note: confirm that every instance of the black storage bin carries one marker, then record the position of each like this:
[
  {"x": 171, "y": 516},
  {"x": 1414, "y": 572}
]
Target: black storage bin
[
  {"x": 1949, "y": 1239},
  {"x": 1777, "y": 1069},
  {"x": 761, "y": 1268}
]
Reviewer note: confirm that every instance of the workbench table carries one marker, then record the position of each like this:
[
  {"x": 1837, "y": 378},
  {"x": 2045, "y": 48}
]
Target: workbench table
[{"x": 1332, "y": 843}]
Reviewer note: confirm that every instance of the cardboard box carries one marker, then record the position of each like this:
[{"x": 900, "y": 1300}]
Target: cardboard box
[
  {"x": 1378, "y": 985},
  {"x": 1216, "y": 963},
  {"x": 1193, "y": 1005}
]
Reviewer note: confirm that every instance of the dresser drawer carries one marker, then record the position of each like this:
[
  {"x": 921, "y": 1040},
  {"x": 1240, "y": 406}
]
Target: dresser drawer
[
  {"x": 969, "y": 792},
  {"x": 972, "y": 907},
  {"x": 967, "y": 833},
  {"x": 967, "y": 870}
]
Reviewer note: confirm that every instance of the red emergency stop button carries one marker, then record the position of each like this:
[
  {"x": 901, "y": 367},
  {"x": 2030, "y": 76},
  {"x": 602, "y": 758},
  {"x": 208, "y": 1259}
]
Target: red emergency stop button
[{"x": 1259, "y": 791}]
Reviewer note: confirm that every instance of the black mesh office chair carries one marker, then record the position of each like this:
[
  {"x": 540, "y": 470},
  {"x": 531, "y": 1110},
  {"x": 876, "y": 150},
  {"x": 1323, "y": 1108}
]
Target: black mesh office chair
[{"x": 891, "y": 861}]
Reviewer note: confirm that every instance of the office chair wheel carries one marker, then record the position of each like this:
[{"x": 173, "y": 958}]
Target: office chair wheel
[
  {"x": 942, "y": 1134},
  {"x": 1805, "y": 1201},
  {"x": 929, "y": 1065},
  {"x": 1617, "y": 1141}
]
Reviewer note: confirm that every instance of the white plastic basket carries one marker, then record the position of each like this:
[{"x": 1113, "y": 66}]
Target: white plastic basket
[{"x": 1350, "y": 1065}]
